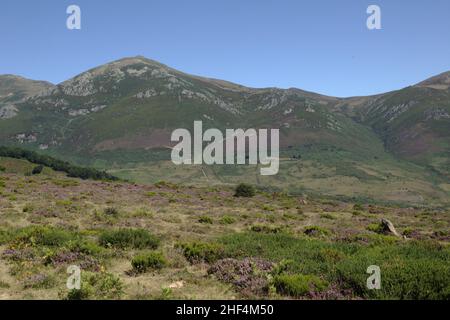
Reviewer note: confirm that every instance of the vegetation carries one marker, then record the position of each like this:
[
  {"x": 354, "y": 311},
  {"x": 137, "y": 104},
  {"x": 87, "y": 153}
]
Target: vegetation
[
  {"x": 201, "y": 251},
  {"x": 38, "y": 169},
  {"x": 245, "y": 190},
  {"x": 148, "y": 261},
  {"x": 298, "y": 285},
  {"x": 55, "y": 164},
  {"x": 129, "y": 238},
  {"x": 260, "y": 247}
]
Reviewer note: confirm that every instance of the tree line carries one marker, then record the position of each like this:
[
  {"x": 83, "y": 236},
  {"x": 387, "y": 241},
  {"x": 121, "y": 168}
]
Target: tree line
[{"x": 56, "y": 164}]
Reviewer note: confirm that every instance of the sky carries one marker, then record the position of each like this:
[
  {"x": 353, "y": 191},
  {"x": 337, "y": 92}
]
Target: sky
[{"x": 316, "y": 45}]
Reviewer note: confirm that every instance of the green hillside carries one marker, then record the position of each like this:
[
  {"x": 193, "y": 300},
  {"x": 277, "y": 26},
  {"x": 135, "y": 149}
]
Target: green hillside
[{"x": 119, "y": 117}]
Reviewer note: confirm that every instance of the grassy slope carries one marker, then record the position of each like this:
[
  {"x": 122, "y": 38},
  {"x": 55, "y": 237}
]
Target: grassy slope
[{"x": 75, "y": 212}]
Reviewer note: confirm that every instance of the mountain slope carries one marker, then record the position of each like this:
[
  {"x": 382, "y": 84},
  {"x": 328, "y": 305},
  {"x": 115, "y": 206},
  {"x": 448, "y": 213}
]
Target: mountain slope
[
  {"x": 414, "y": 123},
  {"x": 119, "y": 116},
  {"x": 14, "y": 90}
]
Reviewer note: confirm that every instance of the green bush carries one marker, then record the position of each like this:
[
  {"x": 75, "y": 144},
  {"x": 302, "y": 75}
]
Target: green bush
[
  {"x": 358, "y": 207},
  {"x": 97, "y": 286},
  {"x": 298, "y": 285},
  {"x": 409, "y": 270},
  {"x": 375, "y": 227},
  {"x": 148, "y": 261},
  {"x": 2, "y": 169},
  {"x": 315, "y": 231},
  {"x": 111, "y": 211},
  {"x": 266, "y": 228},
  {"x": 245, "y": 191},
  {"x": 227, "y": 220},
  {"x": 201, "y": 251},
  {"x": 37, "y": 170},
  {"x": 205, "y": 219},
  {"x": 46, "y": 236},
  {"x": 129, "y": 238}
]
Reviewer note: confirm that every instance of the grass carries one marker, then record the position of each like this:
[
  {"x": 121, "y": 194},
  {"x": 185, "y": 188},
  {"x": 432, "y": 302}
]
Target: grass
[{"x": 147, "y": 242}]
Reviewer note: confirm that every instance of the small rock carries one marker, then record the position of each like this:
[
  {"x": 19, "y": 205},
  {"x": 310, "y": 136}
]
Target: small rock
[{"x": 177, "y": 285}]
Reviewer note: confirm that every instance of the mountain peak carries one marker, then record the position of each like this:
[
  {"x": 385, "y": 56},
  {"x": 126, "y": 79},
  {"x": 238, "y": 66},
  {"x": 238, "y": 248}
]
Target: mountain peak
[{"x": 440, "y": 82}]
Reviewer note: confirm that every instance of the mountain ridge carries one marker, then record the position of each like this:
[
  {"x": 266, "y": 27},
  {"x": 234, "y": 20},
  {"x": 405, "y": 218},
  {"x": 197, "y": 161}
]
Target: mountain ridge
[{"x": 121, "y": 114}]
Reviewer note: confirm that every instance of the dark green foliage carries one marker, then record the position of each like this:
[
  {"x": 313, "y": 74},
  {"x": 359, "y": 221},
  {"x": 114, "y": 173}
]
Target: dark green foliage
[
  {"x": 315, "y": 231},
  {"x": 245, "y": 191},
  {"x": 409, "y": 270},
  {"x": 37, "y": 170},
  {"x": 45, "y": 236},
  {"x": 227, "y": 220},
  {"x": 55, "y": 164},
  {"x": 111, "y": 211},
  {"x": 99, "y": 286},
  {"x": 148, "y": 261},
  {"x": 376, "y": 227},
  {"x": 129, "y": 238},
  {"x": 298, "y": 285},
  {"x": 205, "y": 219},
  {"x": 201, "y": 251},
  {"x": 265, "y": 228},
  {"x": 2, "y": 169}
]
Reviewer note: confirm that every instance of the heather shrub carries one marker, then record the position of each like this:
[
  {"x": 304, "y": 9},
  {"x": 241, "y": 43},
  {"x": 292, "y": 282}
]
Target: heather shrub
[
  {"x": 205, "y": 219},
  {"x": 298, "y": 285},
  {"x": 201, "y": 251},
  {"x": 37, "y": 170},
  {"x": 129, "y": 238},
  {"x": 97, "y": 286},
  {"x": 316, "y": 231},
  {"x": 45, "y": 236},
  {"x": 148, "y": 261},
  {"x": 227, "y": 220},
  {"x": 245, "y": 191},
  {"x": 111, "y": 211}
]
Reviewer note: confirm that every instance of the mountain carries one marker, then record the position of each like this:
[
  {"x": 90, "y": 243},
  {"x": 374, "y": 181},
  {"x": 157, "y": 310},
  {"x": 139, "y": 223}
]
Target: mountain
[
  {"x": 414, "y": 123},
  {"x": 14, "y": 90},
  {"x": 119, "y": 116}
]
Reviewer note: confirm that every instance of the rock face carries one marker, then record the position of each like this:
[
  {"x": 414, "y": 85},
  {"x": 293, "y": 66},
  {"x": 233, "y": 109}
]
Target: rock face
[{"x": 388, "y": 227}]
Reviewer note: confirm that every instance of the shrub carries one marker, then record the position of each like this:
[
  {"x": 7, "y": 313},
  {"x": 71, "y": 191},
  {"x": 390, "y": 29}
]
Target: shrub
[
  {"x": 101, "y": 286},
  {"x": 265, "y": 228},
  {"x": 298, "y": 285},
  {"x": 46, "y": 236},
  {"x": 129, "y": 238},
  {"x": 201, "y": 251},
  {"x": 37, "y": 170},
  {"x": 315, "y": 231},
  {"x": 2, "y": 169},
  {"x": 205, "y": 219},
  {"x": 227, "y": 220},
  {"x": 39, "y": 281},
  {"x": 244, "y": 190},
  {"x": 375, "y": 227},
  {"x": 111, "y": 211},
  {"x": 418, "y": 272},
  {"x": 327, "y": 216},
  {"x": 358, "y": 207},
  {"x": 148, "y": 261}
]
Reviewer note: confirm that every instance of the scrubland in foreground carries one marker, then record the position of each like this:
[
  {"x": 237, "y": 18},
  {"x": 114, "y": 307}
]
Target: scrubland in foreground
[{"x": 166, "y": 241}]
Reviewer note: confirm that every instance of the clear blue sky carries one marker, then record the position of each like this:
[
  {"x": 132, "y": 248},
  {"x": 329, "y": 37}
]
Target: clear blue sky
[{"x": 317, "y": 45}]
